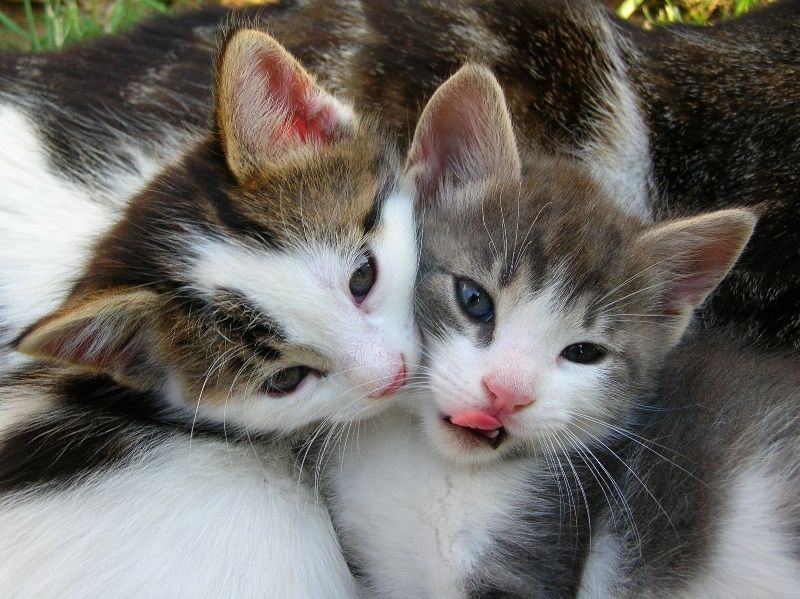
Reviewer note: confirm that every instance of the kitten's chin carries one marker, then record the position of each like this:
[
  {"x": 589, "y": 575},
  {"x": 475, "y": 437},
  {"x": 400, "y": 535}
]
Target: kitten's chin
[{"x": 466, "y": 446}]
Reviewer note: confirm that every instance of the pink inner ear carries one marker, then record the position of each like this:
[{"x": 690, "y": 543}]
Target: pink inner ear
[
  {"x": 314, "y": 127},
  {"x": 308, "y": 119},
  {"x": 697, "y": 275},
  {"x": 687, "y": 291},
  {"x": 459, "y": 139},
  {"x": 86, "y": 352}
]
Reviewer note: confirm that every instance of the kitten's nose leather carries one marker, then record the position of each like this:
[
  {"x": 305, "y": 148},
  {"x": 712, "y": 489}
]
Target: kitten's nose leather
[{"x": 504, "y": 400}]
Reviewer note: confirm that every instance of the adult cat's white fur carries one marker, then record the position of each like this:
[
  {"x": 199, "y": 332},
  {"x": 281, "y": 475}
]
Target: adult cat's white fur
[
  {"x": 47, "y": 225},
  {"x": 753, "y": 550},
  {"x": 205, "y": 519}
]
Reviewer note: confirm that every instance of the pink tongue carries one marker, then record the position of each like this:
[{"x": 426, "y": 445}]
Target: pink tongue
[{"x": 476, "y": 419}]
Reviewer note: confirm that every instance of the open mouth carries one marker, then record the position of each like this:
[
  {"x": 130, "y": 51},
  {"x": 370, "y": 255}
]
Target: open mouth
[{"x": 491, "y": 437}]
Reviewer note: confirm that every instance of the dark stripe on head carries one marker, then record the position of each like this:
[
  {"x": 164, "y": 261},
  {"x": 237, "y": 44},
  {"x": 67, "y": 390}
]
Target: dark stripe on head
[
  {"x": 208, "y": 178},
  {"x": 435, "y": 314},
  {"x": 373, "y": 216},
  {"x": 241, "y": 315},
  {"x": 262, "y": 350},
  {"x": 237, "y": 316},
  {"x": 591, "y": 314}
]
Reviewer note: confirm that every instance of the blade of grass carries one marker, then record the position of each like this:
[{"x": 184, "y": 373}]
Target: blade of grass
[
  {"x": 74, "y": 18},
  {"x": 118, "y": 16},
  {"x": 628, "y": 7},
  {"x": 9, "y": 24},
  {"x": 31, "y": 25},
  {"x": 155, "y": 5},
  {"x": 61, "y": 34},
  {"x": 50, "y": 24},
  {"x": 742, "y": 6}
]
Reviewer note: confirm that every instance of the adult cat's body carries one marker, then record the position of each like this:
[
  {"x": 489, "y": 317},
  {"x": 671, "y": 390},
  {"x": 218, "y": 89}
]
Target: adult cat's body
[
  {"x": 573, "y": 444},
  {"x": 256, "y": 292},
  {"x": 669, "y": 122}
]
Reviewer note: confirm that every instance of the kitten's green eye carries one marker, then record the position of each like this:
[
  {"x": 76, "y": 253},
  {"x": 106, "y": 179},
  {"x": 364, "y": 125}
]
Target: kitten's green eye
[
  {"x": 286, "y": 380},
  {"x": 363, "y": 278},
  {"x": 583, "y": 353},
  {"x": 474, "y": 300}
]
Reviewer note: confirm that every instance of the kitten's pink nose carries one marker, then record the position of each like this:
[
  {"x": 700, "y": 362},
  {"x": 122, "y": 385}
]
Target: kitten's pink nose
[
  {"x": 504, "y": 400},
  {"x": 399, "y": 380}
]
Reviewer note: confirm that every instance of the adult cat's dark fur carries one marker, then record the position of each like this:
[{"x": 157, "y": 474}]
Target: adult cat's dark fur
[{"x": 674, "y": 121}]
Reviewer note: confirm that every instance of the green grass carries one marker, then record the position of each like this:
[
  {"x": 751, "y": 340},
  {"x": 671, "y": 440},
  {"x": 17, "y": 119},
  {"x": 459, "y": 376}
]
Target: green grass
[
  {"x": 54, "y": 24},
  {"x": 697, "y": 12},
  {"x": 57, "y": 23}
]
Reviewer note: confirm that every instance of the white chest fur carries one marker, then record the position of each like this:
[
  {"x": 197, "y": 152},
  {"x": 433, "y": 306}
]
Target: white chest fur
[
  {"x": 210, "y": 520},
  {"x": 419, "y": 526}
]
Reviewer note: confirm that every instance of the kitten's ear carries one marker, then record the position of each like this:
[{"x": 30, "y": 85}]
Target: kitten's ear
[
  {"x": 112, "y": 332},
  {"x": 464, "y": 134},
  {"x": 693, "y": 255},
  {"x": 268, "y": 106}
]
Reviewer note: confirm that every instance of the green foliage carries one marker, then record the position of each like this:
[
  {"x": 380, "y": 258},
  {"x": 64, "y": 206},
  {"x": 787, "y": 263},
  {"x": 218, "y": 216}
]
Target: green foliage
[
  {"x": 697, "y": 12},
  {"x": 57, "y": 23},
  {"x": 742, "y": 6}
]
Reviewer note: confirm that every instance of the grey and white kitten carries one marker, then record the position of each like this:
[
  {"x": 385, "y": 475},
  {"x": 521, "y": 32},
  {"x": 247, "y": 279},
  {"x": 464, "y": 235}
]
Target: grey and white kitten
[{"x": 570, "y": 436}]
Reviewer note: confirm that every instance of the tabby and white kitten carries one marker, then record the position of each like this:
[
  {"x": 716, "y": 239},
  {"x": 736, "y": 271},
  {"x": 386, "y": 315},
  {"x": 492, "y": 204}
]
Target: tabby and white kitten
[
  {"x": 561, "y": 419},
  {"x": 259, "y": 286},
  {"x": 674, "y": 121}
]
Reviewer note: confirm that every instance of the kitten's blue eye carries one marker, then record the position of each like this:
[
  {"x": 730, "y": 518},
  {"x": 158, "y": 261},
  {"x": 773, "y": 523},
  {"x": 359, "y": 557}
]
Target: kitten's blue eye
[
  {"x": 474, "y": 300},
  {"x": 583, "y": 353},
  {"x": 286, "y": 380},
  {"x": 363, "y": 278}
]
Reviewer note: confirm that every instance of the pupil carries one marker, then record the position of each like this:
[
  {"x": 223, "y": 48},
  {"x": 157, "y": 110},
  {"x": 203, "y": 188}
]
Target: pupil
[{"x": 583, "y": 353}]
